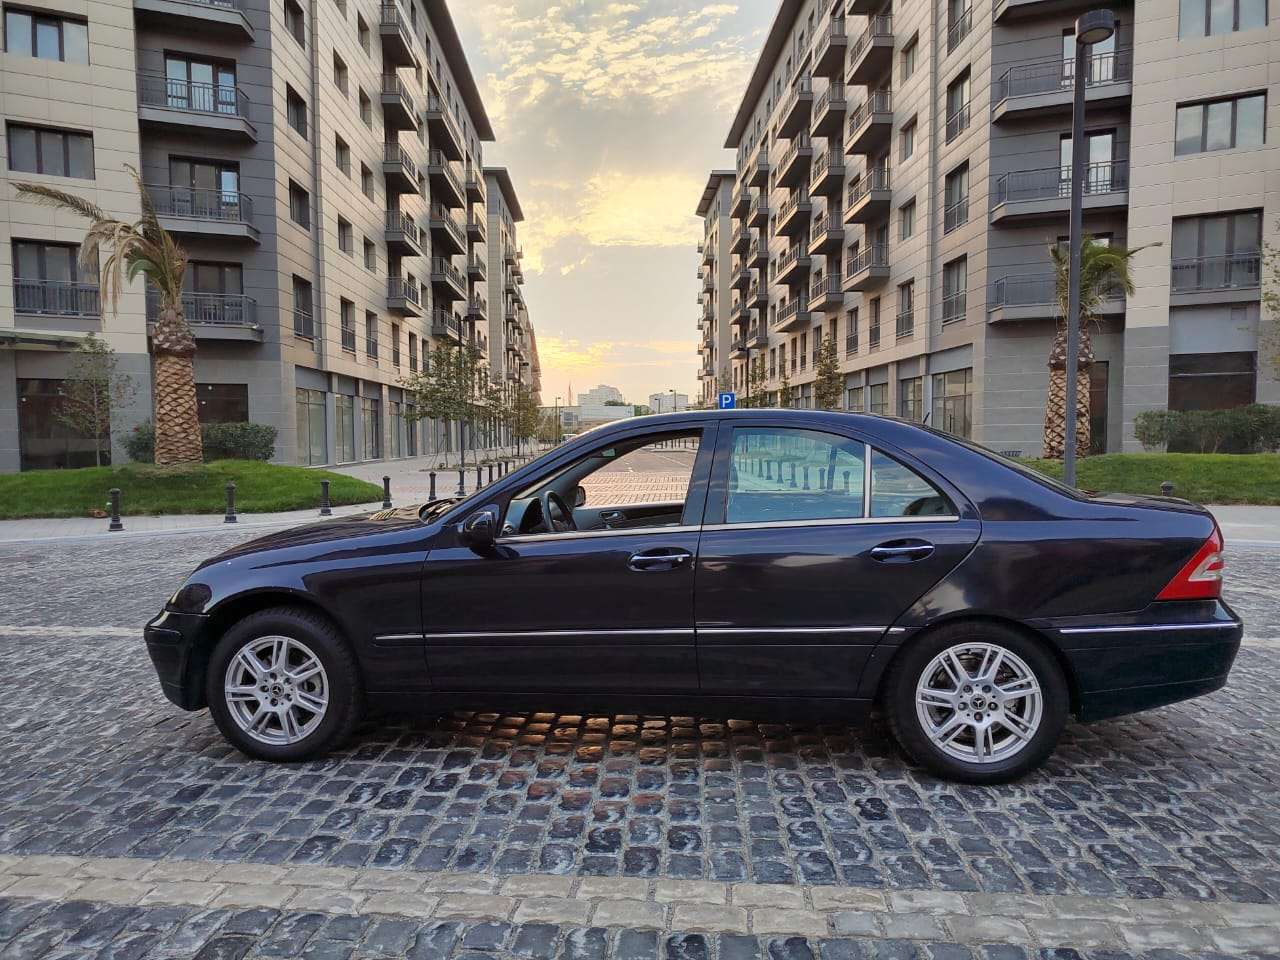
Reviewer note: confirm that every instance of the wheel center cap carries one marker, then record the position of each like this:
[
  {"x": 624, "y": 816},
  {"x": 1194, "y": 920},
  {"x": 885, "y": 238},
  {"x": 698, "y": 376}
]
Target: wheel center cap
[
  {"x": 276, "y": 690},
  {"x": 979, "y": 703}
]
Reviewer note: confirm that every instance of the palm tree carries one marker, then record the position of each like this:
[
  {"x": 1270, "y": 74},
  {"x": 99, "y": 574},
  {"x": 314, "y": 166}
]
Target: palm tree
[
  {"x": 1104, "y": 272},
  {"x": 145, "y": 248}
]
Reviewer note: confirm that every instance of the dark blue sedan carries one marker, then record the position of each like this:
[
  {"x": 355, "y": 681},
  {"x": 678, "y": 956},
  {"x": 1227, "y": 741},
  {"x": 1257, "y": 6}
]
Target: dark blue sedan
[{"x": 788, "y": 564}]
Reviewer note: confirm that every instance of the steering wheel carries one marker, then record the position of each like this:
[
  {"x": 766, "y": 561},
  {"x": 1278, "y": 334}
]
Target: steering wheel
[{"x": 549, "y": 498}]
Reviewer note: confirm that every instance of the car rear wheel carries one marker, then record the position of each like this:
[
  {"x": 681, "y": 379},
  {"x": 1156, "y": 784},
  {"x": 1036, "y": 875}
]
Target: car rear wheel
[
  {"x": 977, "y": 702},
  {"x": 282, "y": 685}
]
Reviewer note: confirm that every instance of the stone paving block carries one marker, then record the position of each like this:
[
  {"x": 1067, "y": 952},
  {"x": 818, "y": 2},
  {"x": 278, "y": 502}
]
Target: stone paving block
[
  {"x": 708, "y": 916},
  {"x": 690, "y": 891},
  {"x": 1163, "y": 936},
  {"x": 986, "y": 929},
  {"x": 539, "y": 886},
  {"x": 195, "y": 892},
  {"x": 552, "y": 910},
  {"x": 119, "y": 867},
  {"x": 1185, "y": 911},
  {"x": 474, "y": 905},
  {"x": 918, "y": 926},
  {"x": 311, "y": 876},
  {"x": 1245, "y": 939},
  {"x": 387, "y": 880},
  {"x": 42, "y": 865},
  {"x": 776, "y": 920},
  {"x": 44, "y": 887},
  {"x": 927, "y": 901},
  {"x": 457, "y": 883},
  {"x": 640, "y": 914},
  {"x": 613, "y": 888},
  {"x": 111, "y": 890},
  {"x": 255, "y": 895},
  {"x": 177, "y": 870},
  {"x": 1073, "y": 932},
  {"x": 251, "y": 873},
  {"x": 847, "y": 898},
  {"x": 1259, "y": 914},
  {"x": 327, "y": 900},
  {"x": 854, "y": 923},
  {"x": 759, "y": 895},
  {"x": 1089, "y": 908},
  {"x": 401, "y": 904},
  {"x": 1007, "y": 905}
]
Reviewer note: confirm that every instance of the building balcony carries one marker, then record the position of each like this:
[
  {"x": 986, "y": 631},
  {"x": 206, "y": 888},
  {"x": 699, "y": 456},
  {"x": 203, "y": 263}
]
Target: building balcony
[
  {"x": 214, "y": 214},
  {"x": 205, "y": 109},
  {"x": 1045, "y": 194},
  {"x": 955, "y": 214},
  {"x": 741, "y": 240},
  {"x": 757, "y": 336},
  {"x": 447, "y": 281},
  {"x": 446, "y": 325},
  {"x": 509, "y": 255},
  {"x": 442, "y": 129},
  {"x": 830, "y": 48},
  {"x": 758, "y": 255},
  {"x": 476, "y": 268},
  {"x": 1007, "y": 10},
  {"x": 793, "y": 267},
  {"x": 397, "y": 37},
  {"x": 397, "y": 105},
  {"x": 708, "y": 282},
  {"x": 1033, "y": 90},
  {"x": 793, "y": 169},
  {"x": 399, "y": 170},
  {"x": 476, "y": 229},
  {"x": 1035, "y": 297},
  {"x": 827, "y": 235},
  {"x": 477, "y": 308},
  {"x": 870, "y": 124},
  {"x": 870, "y": 197},
  {"x": 446, "y": 185},
  {"x": 958, "y": 29},
  {"x": 871, "y": 55},
  {"x": 827, "y": 177},
  {"x": 403, "y": 297},
  {"x": 475, "y": 185},
  {"x": 862, "y": 8},
  {"x": 758, "y": 296},
  {"x": 741, "y": 276},
  {"x": 738, "y": 313},
  {"x": 740, "y": 202},
  {"x": 958, "y": 122},
  {"x": 708, "y": 254},
  {"x": 480, "y": 342},
  {"x": 214, "y": 18},
  {"x": 794, "y": 316},
  {"x": 826, "y": 293},
  {"x": 757, "y": 172},
  {"x": 868, "y": 269},
  {"x": 213, "y": 316},
  {"x": 403, "y": 236},
  {"x": 795, "y": 114},
  {"x": 738, "y": 348},
  {"x": 758, "y": 216},
  {"x": 56, "y": 298},
  {"x": 794, "y": 215},
  {"x": 830, "y": 110},
  {"x": 1234, "y": 278},
  {"x": 446, "y": 232}
]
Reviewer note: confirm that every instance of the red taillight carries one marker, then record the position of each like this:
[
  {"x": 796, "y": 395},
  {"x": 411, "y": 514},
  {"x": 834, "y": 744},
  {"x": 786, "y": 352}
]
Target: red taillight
[{"x": 1201, "y": 577}]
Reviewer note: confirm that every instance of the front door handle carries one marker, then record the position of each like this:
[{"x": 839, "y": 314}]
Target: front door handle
[
  {"x": 658, "y": 560},
  {"x": 902, "y": 551},
  {"x": 610, "y": 517}
]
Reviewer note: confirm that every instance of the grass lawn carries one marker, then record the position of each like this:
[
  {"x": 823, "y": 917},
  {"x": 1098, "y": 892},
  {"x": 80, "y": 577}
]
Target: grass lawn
[
  {"x": 1203, "y": 477},
  {"x": 148, "y": 489}
]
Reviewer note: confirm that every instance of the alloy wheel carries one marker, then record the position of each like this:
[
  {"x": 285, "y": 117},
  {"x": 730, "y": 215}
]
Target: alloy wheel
[{"x": 276, "y": 690}]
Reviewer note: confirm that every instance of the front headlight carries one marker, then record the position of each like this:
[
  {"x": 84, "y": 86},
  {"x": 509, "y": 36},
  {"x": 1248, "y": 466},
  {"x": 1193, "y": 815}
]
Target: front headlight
[{"x": 190, "y": 598}]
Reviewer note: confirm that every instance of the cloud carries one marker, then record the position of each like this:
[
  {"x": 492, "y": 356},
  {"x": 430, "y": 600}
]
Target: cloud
[{"x": 570, "y": 356}]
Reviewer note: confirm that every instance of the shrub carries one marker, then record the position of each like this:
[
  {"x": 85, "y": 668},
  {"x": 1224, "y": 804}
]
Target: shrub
[
  {"x": 1152, "y": 428},
  {"x": 222, "y": 441},
  {"x": 1237, "y": 430}
]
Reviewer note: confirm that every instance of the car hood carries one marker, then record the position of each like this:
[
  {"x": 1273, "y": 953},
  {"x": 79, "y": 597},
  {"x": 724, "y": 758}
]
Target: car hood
[{"x": 326, "y": 532}]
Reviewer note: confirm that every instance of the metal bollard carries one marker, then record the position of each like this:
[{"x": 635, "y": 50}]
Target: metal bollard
[
  {"x": 386, "y": 493},
  {"x": 432, "y": 494},
  {"x": 806, "y": 477},
  {"x": 325, "y": 507},
  {"x": 479, "y": 477},
  {"x": 768, "y": 469},
  {"x": 793, "y": 475},
  {"x": 231, "y": 503},
  {"x": 491, "y": 473},
  {"x": 462, "y": 482},
  {"x": 846, "y": 481},
  {"x": 115, "y": 523},
  {"x": 1166, "y": 488}
]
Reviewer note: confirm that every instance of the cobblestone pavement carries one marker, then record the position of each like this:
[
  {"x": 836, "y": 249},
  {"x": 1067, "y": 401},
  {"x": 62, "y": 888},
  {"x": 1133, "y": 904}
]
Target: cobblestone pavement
[{"x": 1174, "y": 809}]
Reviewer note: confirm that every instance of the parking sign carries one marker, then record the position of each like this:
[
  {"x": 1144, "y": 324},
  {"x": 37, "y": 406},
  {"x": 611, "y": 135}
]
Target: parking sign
[{"x": 728, "y": 401}]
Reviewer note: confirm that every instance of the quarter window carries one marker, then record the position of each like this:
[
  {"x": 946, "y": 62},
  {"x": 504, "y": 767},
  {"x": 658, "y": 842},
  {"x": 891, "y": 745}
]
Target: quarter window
[{"x": 897, "y": 491}]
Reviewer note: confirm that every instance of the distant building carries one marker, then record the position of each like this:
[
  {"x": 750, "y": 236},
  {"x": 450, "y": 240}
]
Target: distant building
[
  {"x": 601, "y": 394},
  {"x": 584, "y": 416},
  {"x": 663, "y": 402}
]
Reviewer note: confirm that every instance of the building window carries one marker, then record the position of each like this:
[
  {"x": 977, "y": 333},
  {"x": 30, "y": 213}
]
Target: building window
[
  {"x": 907, "y": 64},
  {"x": 366, "y": 109},
  {"x": 958, "y": 106},
  {"x": 413, "y": 353},
  {"x": 223, "y": 402},
  {"x": 873, "y": 324},
  {"x": 953, "y": 402},
  {"x": 1217, "y": 252},
  {"x": 854, "y": 399},
  {"x": 340, "y": 78},
  {"x": 371, "y": 421},
  {"x": 310, "y": 414},
  {"x": 911, "y": 398},
  {"x": 959, "y": 21},
  {"x": 366, "y": 181},
  {"x": 1207, "y": 18},
  {"x": 907, "y": 140},
  {"x": 294, "y": 22},
  {"x": 907, "y": 220},
  {"x": 47, "y": 36},
  {"x": 370, "y": 254},
  {"x": 956, "y": 199},
  {"x": 955, "y": 282},
  {"x": 395, "y": 414},
  {"x": 371, "y": 335},
  {"x": 1221, "y": 124},
  {"x": 299, "y": 205},
  {"x": 395, "y": 344},
  {"x": 362, "y": 33},
  {"x": 342, "y": 154},
  {"x": 296, "y": 111},
  {"x": 878, "y": 394},
  {"x": 55, "y": 153},
  {"x": 303, "y": 309},
  {"x": 346, "y": 237},
  {"x": 49, "y": 279},
  {"x": 851, "y": 332},
  {"x": 905, "y": 322},
  {"x": 1212, "y": 381},
  {"x": 347, "y": 324},
  {"x": 345, "y": 429},
  {"x": 44, "y": 440}
]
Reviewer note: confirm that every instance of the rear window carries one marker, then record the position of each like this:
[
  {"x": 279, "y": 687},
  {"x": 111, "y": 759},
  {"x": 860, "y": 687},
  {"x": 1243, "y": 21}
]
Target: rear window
[{"x": 1043, "y": 479}]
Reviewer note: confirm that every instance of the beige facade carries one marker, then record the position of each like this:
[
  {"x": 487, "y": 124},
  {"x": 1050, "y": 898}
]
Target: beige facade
[
  {"x": 899, "y": 182},
  {"x": 715, "y": 338}
]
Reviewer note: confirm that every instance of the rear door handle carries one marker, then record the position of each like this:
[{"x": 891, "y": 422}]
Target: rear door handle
[
  {"x": 902, "y": 551},
  {"x": 658, "y": 560}
]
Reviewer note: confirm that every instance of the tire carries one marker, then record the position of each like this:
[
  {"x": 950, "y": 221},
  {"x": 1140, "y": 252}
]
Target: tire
[
  {"x": 323, "y": 704},
  {"x": 969, "y": 711}
]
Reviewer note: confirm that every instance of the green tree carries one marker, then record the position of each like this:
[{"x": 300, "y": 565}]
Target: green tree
[
  {"x": 1269, "y": 331},
  {"x": 91, "y": 390},
  {"x": 145, "y": 248},
  {"x": 447, "y": 388},
  {"x": 1104, "y": 271},
  {"x": 525, "y": 415},
  {"x": 755, "y": 395},
  {"x": 828, "y": 384},
  {"x": 784, "y": 389}
]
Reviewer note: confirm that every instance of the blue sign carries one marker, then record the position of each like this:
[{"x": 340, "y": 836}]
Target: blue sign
[{"x": 728, "y": 401}]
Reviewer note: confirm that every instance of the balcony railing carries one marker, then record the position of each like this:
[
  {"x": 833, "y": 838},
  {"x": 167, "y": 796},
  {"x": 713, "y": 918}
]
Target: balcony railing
[
  {"x": 1050, "y": 76},
  {"x": 393, "y": 86},
  {"x": 225, "y": 205},
  {"x": 958, "y": 122},
  {"x": 829, "y": 286},
  {"x": 436, "y": 158},
  {"x": 1034, "y": 290},
  {"x": 477, "y": 306},
  {"x": 398, "y": 288},
  {"x": 876, "y": 255},
  {"x": 880, "y": 101},
  {"x": 1054, "y": 183},
  {"x": 393, "y": 154},
  {"x": 834, "y": 91},
  {"x": 399, "y": 221},
  {"x": 955, "y": 215},
  {"x": 788, "y": 312},
  {"x": 223, "y": 99},
  {"x": 442, "y": 214},
  {"x": 880, "y": 26},
  {"x": 1239, "y": 271},
  {"x": 958, "y": 30},
  {"x": 56, "y": 298},
  {"x": 905, "y": 325},
  {"x": 210, "y": 309},
  {"x": 436, "y": 105},
  {"x": 441, "y": 267},
  {"x": 877, "y": 178},
  {"x": 851, "y": 345},
  {"x": 954, "y": 306},
  {"x": 445, "y": 324}
]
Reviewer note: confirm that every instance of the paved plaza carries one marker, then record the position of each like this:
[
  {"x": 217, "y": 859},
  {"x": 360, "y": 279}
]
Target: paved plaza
[{"x": 128, "y": 828}]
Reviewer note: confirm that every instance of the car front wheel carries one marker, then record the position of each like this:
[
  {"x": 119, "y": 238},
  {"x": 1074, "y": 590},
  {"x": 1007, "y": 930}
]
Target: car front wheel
[
  {"x": 980, "y": 703},
  {"x": 282, "y": 685}
]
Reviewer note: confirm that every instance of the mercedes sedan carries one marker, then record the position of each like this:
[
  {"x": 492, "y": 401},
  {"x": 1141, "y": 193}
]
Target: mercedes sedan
[{"x": 775, "y": 563}]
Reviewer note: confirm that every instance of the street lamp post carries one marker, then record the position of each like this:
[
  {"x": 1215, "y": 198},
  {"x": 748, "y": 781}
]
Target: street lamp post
[
  {"x": 557, "y": 420},
  {"x": 1092, "y": 27}
]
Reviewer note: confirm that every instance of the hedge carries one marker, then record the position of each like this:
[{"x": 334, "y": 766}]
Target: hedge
[
  {"x": 1251, "y": 429},
  {"x": 222, "y": 441}
]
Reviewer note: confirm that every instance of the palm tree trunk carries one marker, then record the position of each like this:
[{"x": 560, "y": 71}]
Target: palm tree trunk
[
  {"x": 176, "y": 412},
  {"x": 1055, "y": 410}
]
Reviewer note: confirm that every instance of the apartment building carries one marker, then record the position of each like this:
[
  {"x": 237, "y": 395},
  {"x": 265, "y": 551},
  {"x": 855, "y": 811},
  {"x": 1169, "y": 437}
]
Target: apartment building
[
  {"x": 510, "y": 331},
  {"x": 903, "y": 173},
  {"x": 321, "y": 163},
  {"x": 715, "y": 338}
]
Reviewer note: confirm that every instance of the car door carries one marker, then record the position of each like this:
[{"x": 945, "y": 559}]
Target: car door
[
  {"x": 606, "y": 610},
  {"x": 814, "y": 543}
]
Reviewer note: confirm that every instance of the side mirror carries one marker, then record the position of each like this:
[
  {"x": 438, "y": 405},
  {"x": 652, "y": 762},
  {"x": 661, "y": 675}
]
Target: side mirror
[
  {"x": 481, "y": 528},
  {"x": 579, "y": 496}
]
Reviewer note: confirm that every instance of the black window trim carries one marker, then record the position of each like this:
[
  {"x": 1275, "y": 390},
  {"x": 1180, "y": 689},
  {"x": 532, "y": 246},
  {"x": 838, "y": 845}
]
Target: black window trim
[
  {"x": 65, "y": 133},
  {"x": 49, "y": 16},
  {"x": 1204, "y": 105}
]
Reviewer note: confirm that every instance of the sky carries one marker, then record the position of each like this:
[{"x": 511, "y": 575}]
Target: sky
[{"x": 610, "y": 116}]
